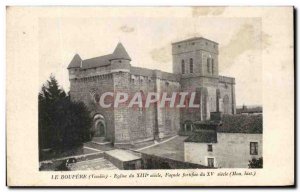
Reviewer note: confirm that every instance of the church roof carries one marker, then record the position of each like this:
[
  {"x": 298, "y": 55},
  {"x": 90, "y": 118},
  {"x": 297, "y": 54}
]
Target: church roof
[
  {"x": 76, "y": 62},
  {"x": 96, "y": 61},
  {"x": 120, "y": 53}
]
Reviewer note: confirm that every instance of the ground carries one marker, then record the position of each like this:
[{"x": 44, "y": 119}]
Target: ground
[
  {"x": 172, "y": 148},
  {"x": 95, "y": 164}
]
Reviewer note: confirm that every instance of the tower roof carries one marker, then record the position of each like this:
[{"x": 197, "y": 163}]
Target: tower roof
[
  {"x": 76, "y": 62},
  {"x": 194, "y": 39},
  {"x": 120, "y": 53}
]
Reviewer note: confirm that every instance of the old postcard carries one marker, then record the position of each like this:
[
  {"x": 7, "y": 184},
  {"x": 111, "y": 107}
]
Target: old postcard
[{"x": 150, "y": 96}]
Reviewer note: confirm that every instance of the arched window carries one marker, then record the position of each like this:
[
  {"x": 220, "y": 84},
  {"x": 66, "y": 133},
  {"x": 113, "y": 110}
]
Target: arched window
[
  {"x": 191, "y": 66},
  {"x": 212, "y": 66},
  {"x": 182, "y": 67},
  {"x": 99, "y": 127},
  {"x": 208, "y": 65},
  {"x": 218, "y": 96},
  {"x": 142, "y": 105}
]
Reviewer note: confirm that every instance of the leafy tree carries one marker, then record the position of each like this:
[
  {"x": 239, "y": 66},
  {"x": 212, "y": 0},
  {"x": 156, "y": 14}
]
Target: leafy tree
[
  {"x": 256, "y": 163},
  {"x": 63, "y": 124}
]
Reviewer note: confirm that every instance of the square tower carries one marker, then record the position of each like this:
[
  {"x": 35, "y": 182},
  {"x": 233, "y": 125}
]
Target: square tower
[{"x": 195, "y": 57}]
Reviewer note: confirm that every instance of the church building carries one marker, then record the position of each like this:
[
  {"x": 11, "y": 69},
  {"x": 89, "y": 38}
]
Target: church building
[{"x": 195, "y": 69}]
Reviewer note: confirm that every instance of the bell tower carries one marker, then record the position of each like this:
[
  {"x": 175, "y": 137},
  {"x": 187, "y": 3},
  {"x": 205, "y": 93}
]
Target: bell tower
[{"x": 195, "y": 57}]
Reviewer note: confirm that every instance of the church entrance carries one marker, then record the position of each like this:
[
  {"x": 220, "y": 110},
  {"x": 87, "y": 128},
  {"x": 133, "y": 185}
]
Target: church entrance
[{"x": 99, "y": 128}]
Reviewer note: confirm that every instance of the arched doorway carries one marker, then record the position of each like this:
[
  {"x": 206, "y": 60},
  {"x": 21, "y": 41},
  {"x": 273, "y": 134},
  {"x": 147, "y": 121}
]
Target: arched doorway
[{"x": 99, "y": 128}]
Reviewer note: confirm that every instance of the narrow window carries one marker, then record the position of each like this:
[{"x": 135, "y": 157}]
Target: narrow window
[
  {"x": 209, "y": 148},
  {"x": 208, "y": 65},
  {"x": 191, "y": 66},
  {"x": 182, "y": 67},
  {"x": 253, "y": 148},
  {"x": 210, "y": 162},
  {"x": 212, "y": 66}
]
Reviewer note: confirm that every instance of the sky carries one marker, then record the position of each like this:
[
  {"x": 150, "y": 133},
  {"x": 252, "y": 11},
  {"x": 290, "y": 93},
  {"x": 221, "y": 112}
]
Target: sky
[{"x": 148, "y": 41}]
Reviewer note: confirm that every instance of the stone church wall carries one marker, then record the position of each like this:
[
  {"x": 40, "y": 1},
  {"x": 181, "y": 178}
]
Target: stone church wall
[
  {"x": 128, "y": 126},
  {"x": 81, "y": 91}
]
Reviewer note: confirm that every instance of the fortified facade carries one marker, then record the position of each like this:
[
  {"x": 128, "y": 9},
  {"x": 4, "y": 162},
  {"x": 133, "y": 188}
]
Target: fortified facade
[{"x": 195, "y": 69}]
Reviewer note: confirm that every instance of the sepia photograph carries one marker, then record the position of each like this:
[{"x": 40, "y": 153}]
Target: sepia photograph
[
  {"x": 170, "y": 93},
  {"x": 119, "y": 116}
]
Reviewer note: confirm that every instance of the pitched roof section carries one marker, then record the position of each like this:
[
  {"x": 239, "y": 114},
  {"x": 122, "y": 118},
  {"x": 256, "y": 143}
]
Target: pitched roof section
[
  {"x": 120, "y": 53},
  {"x": 251, "y": 124},
  {"x": 96, "y": 61},
  {"x": 203, "y": 136},
  {"x": 76, "y": 62}
]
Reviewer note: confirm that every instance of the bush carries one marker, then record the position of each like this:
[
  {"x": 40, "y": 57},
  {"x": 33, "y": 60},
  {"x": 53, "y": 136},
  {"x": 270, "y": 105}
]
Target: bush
[{"x": 256, "y": 163}]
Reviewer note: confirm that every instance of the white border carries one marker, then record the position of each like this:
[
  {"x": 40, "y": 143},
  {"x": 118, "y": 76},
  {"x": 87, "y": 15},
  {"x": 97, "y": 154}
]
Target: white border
[{"x": 4, "y": 3}]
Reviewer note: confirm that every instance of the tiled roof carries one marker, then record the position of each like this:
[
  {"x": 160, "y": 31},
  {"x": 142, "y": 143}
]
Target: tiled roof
[
  {"x": 206, "y": 125},
  {"x": 151, "y": 72},
  {"x": 141, "y": 71},
  {"x": 241, "y": 124},
  {"x": 119, "y": 53},
  {"x": 96, "y": 61},
  {"x": 203, "y": 136},
  {"x": 206, "y": 132}
]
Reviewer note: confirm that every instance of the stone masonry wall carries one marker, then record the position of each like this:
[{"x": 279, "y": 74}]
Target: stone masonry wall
[
  {"x": 142, "y": 120},
  {"x": 81, "y": 91}
]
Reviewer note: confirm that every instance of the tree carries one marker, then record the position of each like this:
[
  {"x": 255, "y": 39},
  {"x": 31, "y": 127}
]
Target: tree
[
  {"x": 63, "y": 124},
  {"x": 49, "y": 96},
  {"x": 256, "y": 163}
]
